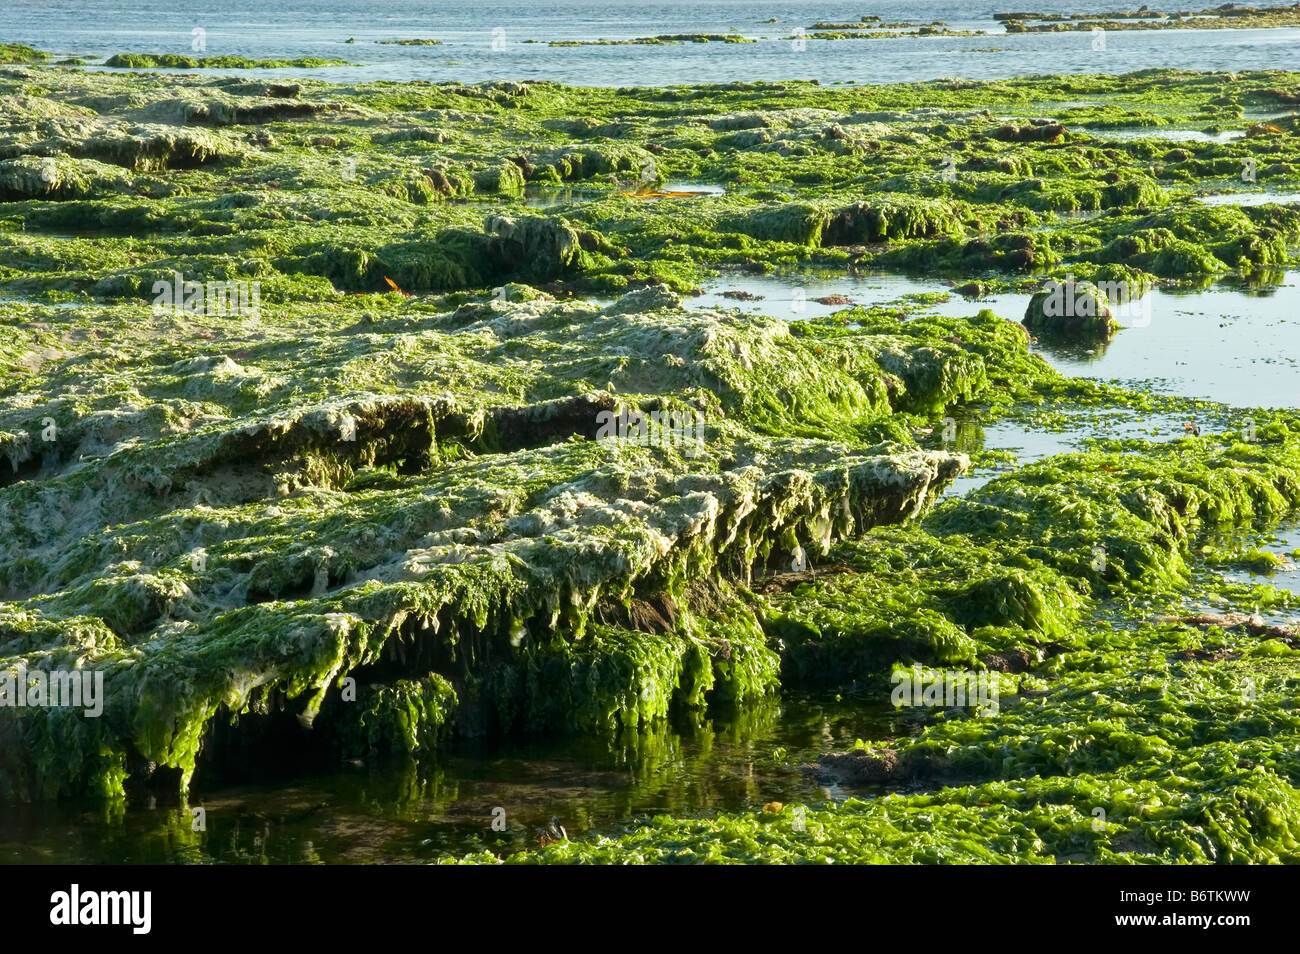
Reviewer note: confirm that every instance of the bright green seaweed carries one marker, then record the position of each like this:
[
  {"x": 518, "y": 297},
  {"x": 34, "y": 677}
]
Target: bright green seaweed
[{"x": 376, "y": 511}]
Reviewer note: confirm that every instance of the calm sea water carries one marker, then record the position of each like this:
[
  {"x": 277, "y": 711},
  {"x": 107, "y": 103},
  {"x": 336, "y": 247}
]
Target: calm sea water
[{"x": 468, "y": 28}]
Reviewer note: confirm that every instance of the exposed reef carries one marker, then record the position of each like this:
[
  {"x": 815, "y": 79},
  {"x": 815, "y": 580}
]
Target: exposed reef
[{"x": 358, "y": 419}]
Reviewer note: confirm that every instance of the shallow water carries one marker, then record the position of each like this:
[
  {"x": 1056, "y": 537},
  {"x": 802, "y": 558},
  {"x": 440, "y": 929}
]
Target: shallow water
[
  {"x": 1158, "y": 132},
  {"x": 1281, "y": 541},
  {"x": 403, "y": 812},
  {"x": 794, "y": 297},
  {"x": 545, "y": 197},
  {"x": 485, "y": 40},
  {"x": 1234, "y": 344},
  {"x": 62, "y": 305},
  {"x": 1179, "y": 366},
  {"x": 1239, "y": 346},
  {"x": 1028, "y": 444},
  {"x": 1250, "y": 198}
]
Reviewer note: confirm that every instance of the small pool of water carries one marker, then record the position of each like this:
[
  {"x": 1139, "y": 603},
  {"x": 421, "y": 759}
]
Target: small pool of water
[
  {"x": 1231, "y": 343},
  {"x": 61, "y": 305},
  {"x": 1250, "y": 198},
  {"x": 544, "y": 197},
  {"x": 796, "y": 297},
  {"x": 1029, "y": 444},
  {"x": 1165, "y": 132},
  {"x": 1079, "y": 215},
  {"x": 411, "y": 813},
  {"x": 704, "y": 189},
  {"x": 1281, "y": 541}
]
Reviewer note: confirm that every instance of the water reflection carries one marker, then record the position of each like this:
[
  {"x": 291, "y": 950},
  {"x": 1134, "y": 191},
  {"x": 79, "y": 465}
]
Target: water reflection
[
  {"x": 1280, "y": 542},
  {"x": 1235, "y": 341},
  {"x": 419, "y": 811},
  {"x": 1017, "y": 444}
]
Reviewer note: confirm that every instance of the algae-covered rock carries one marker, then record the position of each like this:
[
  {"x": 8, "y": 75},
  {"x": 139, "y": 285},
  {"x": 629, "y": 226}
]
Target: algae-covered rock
[
  {"x": 1070, "y": 310},
  {"x": 407, "y": 717},
  {"x": 505, "y": 179},
  {"x": 22, "y": 107},
  {"x": 408, "y": 185},
  {"x": 509, "y": 248},
  {"x": 514, "y": 291},
  {"x": 1032, "y": 132},
  {"x": 144, "y": 61},
  {"x": 533, "y": 246},
  {"x": 137, "y": 146},
  {"x": 893, "y": 218},
  {"x": 796, "y": 222},
  {"x": 861, "y": 223},
  {"x": 449, "y": 182},
  {"x": 650, "y": 298},
  {"x": 272, "y": 103},
  {"x": 790, "y": 118},
  {"x": 587, "y": 160},
  {"x": 1205, "y": 240},
  {"x": 30, "y": 177},
  {"x": 459, "y": 529},
  {"x": 412, "y": 497},
  {"x": 20, "y": 53}
]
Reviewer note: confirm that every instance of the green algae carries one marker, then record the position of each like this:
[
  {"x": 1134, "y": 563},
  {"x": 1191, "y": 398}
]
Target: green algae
[
  {"x": 1253, "y": 819},
  {"x": 943, "y": 603},
  {"x": 137, "y": 61},
  {"x": 865, "y": 178},
  {"x": 1225, "y": 17},
  {"x": 1143, "y": 744},
  {"x": 18, "y": 53},
  {"x": 405, "y": 717},
  {"x": 1014, "y": 564},
  {"x": 620, "y": 679},
  {"x": 316, "y": 559},
  {"x": 379, "y": 520}
]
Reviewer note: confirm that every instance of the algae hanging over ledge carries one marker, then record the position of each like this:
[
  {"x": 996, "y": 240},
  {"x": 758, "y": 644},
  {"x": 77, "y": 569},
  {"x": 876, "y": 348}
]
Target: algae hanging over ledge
[{"x": 324, "y": 442}]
